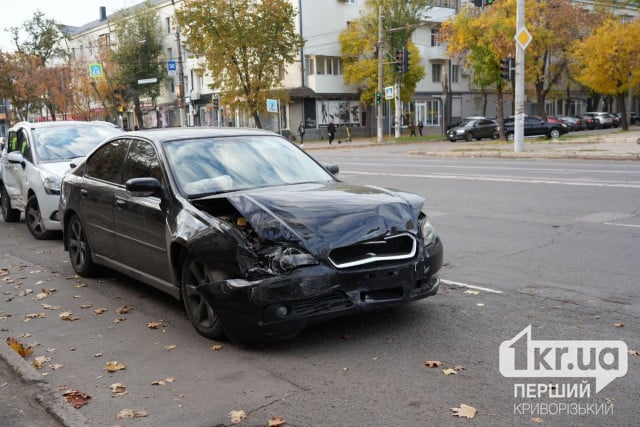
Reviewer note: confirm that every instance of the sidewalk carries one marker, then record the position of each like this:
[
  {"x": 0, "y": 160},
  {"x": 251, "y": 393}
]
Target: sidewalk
[{"x": 616, "y": 145}]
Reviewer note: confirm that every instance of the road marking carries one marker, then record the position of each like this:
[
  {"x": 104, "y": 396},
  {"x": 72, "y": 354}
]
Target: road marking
[
  {"x": 496, "y": 179},
  {"x": 622, "y": 225},
  {"x": 465, "y": 285}
]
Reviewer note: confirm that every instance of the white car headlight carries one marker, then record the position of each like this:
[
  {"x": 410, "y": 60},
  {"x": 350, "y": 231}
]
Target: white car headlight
[
  {"x": 52, "y": 184},
  {"x": 428, "y": 232}
]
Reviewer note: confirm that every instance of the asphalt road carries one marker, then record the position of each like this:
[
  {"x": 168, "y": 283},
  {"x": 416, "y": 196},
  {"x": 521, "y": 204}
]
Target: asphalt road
[{"x": 551, "y": 244}]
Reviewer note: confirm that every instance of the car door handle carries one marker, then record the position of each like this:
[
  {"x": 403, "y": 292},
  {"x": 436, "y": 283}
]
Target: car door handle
[
  {"x": 120, "y": 203},
  {"x": 84, "y": 193}
]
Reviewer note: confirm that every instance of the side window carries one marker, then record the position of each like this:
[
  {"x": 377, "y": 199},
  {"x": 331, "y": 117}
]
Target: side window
[
  {"x": 23, "y": 144},
  {"x": 142, "y": 162},
  {"x": 106, "y": 163}
]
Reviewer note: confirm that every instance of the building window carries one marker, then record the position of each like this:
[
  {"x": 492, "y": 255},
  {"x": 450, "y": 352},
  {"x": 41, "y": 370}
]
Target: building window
[
  {"x": 455, "y": 74},
  {"x": 169, "y": 53},
  {"x": 311, "y": 66},
  {"x": 434, "y": 37},
  {"x": 433, "y": 113},
  {"x": 337, "y": 66},
  {"x": 168, "y": 22},
  {"x": 436, "y": 73},
  {"x": 320, "y": 65}
]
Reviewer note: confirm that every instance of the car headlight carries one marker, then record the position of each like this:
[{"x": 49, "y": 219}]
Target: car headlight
[
  {"x": 281, "y": 260},
  {"x": 52, "y": 184},
  {"x": 427, "y": 231}
]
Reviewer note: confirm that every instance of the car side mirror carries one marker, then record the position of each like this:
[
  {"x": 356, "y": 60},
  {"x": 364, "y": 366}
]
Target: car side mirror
[
  {"x": 333, "y": 168},
  {"x": 144, "y": 187},
  {"x": 16, "y": 158}
]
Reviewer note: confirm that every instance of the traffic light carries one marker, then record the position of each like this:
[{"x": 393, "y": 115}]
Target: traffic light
[
  {"x": 405, "y": 61},
  {"x": 507, "y": 68},
  {"x": 482, "y": 3},
  {"x": 378, "y": 98},
  {"x": 399, "y": 60}
]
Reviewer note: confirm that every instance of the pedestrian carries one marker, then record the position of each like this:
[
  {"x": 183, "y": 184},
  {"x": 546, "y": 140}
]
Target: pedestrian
[
  {"x": 420, "y": 126},
  {"x": 331, "y": 130},
  {"x": 301, "y": 132},
  {"x": 412, "y": 128}
]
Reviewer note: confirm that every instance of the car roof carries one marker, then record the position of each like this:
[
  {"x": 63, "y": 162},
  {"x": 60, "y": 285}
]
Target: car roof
[
  {"x": 60, "y": 123},
  {"x": 172, "y": 134}
]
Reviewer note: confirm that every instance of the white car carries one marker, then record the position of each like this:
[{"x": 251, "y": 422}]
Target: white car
[{"x": 34, "y": 159}]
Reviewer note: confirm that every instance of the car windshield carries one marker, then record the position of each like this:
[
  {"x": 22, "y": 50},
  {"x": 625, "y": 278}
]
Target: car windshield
[
  {"x": 53, "y": 143},
  {"x": 466, "y": 122},
  {"x": 206, "y": 166}
]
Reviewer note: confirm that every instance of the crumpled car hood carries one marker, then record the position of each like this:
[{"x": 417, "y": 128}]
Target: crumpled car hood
[{"x": 321, "y": 217}]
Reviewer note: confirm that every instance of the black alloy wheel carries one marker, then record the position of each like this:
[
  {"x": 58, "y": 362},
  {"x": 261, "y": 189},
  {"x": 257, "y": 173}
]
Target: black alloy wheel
[
  {"x": 79, "y": 248},
  {"x": 34, "y": 220},
  {"x": 199, "y": 311},
  {"x": 8, "y": 213}
]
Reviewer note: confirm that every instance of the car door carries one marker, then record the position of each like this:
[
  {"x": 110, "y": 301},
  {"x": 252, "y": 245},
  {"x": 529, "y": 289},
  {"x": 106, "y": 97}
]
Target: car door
[
  {"x": 486, "y": 129},
  {"x": 140, "y": 222},
  {"x": 103, "y": 175},
  {"x": 15, "y": 174}
]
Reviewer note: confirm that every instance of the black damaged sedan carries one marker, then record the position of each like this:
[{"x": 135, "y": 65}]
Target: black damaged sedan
[{"x": 254, "y": 236}]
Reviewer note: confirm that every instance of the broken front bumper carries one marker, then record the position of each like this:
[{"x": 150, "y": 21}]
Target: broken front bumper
[{"x": 281, "y": 306}]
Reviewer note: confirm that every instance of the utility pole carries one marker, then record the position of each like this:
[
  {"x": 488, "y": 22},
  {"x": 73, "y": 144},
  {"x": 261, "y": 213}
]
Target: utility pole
[
  {"x": 518, "y": 129},
  {"x": 183, "y": 115},
  {"x": 380, "y": 77}
]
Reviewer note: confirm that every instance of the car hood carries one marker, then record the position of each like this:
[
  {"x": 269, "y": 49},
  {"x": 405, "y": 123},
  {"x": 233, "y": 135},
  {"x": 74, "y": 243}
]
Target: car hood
[
  {"x": 321, "y": 217},
  {"x": 56, "y": 168}
]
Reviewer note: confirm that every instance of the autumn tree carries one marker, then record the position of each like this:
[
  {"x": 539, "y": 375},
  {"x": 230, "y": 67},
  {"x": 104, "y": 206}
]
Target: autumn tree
[
  {"x": 244, "y": 44},
  {"x": 359, "y": 47},
  {"x": 21, "y": 82},
  {"x": 138, "y": 54},
  {"x": 608, "y": 62}
]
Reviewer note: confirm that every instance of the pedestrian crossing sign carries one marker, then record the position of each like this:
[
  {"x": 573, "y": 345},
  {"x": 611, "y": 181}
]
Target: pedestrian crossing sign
[{"x": 96, "y": 71}]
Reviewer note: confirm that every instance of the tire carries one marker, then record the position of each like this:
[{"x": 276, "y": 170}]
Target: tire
[
  {"x": 195, "y": 273},
  {"x": 34, "y": 221},
  {"x": 510, "y": 136},
  {"x": 468, "y": 137},
  {"x": 495, "y": 135},
  {"x": 80, "y": 252},
  {"x": 8, "y": 213},
  {"x": 554, "y": 133}
]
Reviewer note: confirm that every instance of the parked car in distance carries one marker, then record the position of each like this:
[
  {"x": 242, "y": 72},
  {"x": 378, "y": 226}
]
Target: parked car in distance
[
  {"x": 601, "y": 120},
  {"x": 255, "y": 237},
  {"x": 474, "y": 128},
  {"x": 588, "y": 120},
  {"x": 634, "y": 118},
  {"x": 34, "y": 160},
  {"x": 574, "y": 123},
  {"x": 534, "y": 126}
]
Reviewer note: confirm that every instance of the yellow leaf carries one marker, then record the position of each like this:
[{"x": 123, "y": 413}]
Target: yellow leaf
[
  {"x": 433, "y": 363},
  {"x": 537, "y": 420},
  {"x": 118, "y": 389},
  {"x": 276, "y": 422},
  {"x": 124, "y": 309},
  {"x": 67, "y": 315},
  {"x": 18, "y": 347},
  {"x": 236, "y": 417},
  {"x": 40, "y": 360},
  {"x": 449, "y": 371},
  {"x": 99, "y": 311},
  {"x": 154, "y": 325},
  {"x": 130, "y": 413},
  {"x": 114, "y": 366},
  {"x": 464, "y": 411}
]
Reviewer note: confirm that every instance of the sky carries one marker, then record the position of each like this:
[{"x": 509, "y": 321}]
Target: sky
[{"x": 69, "y": 12}]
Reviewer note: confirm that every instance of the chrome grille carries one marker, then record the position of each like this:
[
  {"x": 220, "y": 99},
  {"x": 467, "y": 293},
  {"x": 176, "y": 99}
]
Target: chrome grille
[{"x": 391, "y": 248}]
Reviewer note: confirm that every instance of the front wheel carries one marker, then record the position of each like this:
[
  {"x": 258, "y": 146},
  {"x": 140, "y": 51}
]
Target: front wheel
[
  {"x": 79, "y": 248},
  {"x": 495, "y": 135},
  {"x": 199, "y": 311},
  {"x": 34, "y": 220},
  {"x": 468, "y": 137},
  {"x": 510, "y": 136},
  {"x": 8, "y": 213},
  {"x": 554, "y": 133}
]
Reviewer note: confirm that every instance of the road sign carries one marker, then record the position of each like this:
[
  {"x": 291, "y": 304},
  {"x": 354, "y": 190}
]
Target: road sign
[
  {"x": 272, "y": 105},
  {"x": 523, "y": 37},
  {"x": 172, "y": 67},
  {"x": 96, "y": 71},
  {"x": 388, "y": 92}
]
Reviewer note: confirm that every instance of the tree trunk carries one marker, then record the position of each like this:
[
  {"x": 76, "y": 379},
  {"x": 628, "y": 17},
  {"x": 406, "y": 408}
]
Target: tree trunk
[
  {"x": 540, "y": 96},
  {"x": 256, "y": 118},
  {"x": 622, "y": 106},
  {"x": 138, "y": 110}
]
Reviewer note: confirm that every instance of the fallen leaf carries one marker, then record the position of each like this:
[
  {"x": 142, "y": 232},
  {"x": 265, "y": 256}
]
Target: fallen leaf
[
  {"x": 619, "y": 325},
  {"x": 86, "y": 305},
  {"x": 464, "y": 411},
  {"x": 236, "y": 417},
  {"x": 118, "y": 389},
  {"x": 34, "y": 316},
  {"x": 537, "y": 420},
  {"x": 56, "y": 366},
  {"x": 40, "y": 360},
  {"x": 25, "y": 292},
  {"x": 130, "y": 413},
  {"x": 472, "y": 292},
  {"x": 99, "y": 311},
  {"x": 67, "y": 315},
  {"x": 124, "y": 309},
  {"x": 80, "y": 285},
  {"x": 97, "y": 355},
  {"x": 276, "y": 422},
  {"x": 120, "y": 319},
  {"x": 459, "y": 367},
  {"x": 154, "y": 325},
  {"x": 480, "y": 304},
  {"x": 449, "y": 371},
  {"x": 633, "y": 353},
  {"x": 51, "y": 350},
  {"x": 169, "y": 347},
  {"x": 50, "y": 307},
  {"x": 4, "y": 272},
  {"x": 217, "y": 347},
  {"x": 433, "y": 363},
  {"x": 76, "y": 398},
  {"x": 18, "y": 347},
  {"x": 114, "y": 366},
  {"x": 164, "y": 381},
  {"x": 77, "y": 296}
]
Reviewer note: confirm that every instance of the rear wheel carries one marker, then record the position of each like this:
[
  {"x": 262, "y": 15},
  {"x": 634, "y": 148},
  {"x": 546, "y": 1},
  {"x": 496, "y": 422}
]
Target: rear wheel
[
  {"x": 8, "y": 213},
  {"x": 34, "y": 220},
  {"x": 79, "y": 248},
  {"x": 554, "y": 133},
  {"x": 199, "y": 311},
  {"x": 468, "y": 137}
]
